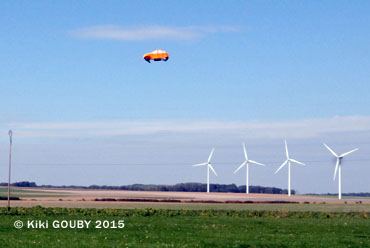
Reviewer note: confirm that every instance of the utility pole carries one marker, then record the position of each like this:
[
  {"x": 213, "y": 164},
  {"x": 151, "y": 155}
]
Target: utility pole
[{"x": 10, "y": 165}]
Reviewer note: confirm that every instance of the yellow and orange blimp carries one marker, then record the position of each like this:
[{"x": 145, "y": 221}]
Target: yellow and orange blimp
[{"x": 156, "y": 55}]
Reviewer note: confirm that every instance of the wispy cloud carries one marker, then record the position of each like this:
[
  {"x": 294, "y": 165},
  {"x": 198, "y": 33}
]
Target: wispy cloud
[
  {"x": 305, "y": 128},
  {"x": 113, "y": 32}
]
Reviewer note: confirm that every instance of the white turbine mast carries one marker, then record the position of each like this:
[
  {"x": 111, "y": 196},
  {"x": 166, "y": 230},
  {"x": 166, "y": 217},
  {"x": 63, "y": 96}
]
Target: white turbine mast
[
  {"x": 246, "y": 163},
  {"x": 288, "y": 161},
  {"x": 338, "y": 167},
  {"x": 209, "y": 166}
]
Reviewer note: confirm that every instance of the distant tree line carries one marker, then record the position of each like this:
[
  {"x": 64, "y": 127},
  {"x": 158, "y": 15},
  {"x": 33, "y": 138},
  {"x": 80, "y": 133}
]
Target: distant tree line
[
  {"x": 361, "y": 194},
  {"x": 196, "y": 187},
  {"x": 182, "y": 187},
  {"x": 21, "y": 184}
]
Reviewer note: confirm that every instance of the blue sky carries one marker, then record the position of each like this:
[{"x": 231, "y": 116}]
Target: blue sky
[{"x": 75, "y": 89}]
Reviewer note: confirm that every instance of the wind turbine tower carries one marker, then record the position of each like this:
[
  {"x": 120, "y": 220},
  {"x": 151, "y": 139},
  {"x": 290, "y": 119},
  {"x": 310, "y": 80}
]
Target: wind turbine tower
[
  {"x": 209, "y": 166},
  {"x": 338, "y": 167},
  {"x": 246, "y": 163},
  {"x": 288, "y": 161}
]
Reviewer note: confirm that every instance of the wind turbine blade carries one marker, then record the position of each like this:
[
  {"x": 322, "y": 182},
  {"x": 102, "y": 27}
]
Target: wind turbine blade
[
  {"x": 346, "y": 153},
  {"x": 240, "y": 166},
  {"x": 254, "y": 162},
  {"x": 336, "y": 169},
  {"x": 210, "y": 155},
  {"x": 332, "y": 152},
  {"x": 210, "y": 166},
  {"x": 245, "y": 153},
  {"x": 200, "y": 164},
  {"x": 286, "y": 161},
  {"x": 297, "y": 162},
  {"x": 286, "y": 149}
]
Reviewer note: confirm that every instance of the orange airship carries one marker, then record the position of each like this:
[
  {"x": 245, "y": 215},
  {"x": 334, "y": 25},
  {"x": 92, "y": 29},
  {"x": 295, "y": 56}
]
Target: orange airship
[{"x": 156, "y": 55}]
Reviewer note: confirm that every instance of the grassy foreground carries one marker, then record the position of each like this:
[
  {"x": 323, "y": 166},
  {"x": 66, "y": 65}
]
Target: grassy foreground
[{"x": 188, "y": 228}]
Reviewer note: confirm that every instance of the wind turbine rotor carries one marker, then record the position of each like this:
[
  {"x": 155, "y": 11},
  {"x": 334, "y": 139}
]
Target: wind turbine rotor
[
  {"x": 210, "y": 155},
  {"x": 241, "y": 166},
  {"x": 210, "y": 166},
  {"x": 286, "y": 150},
  {"x": 330, "y": 150},
  {"x": 205, "y": 163},
  {"x": 336, "y": 168},
  {"x": 346, "y": 153},
  {"x": 245, "y": 152},
  {"x": 295, "y": 161},
  {"x": 286, "y": 161},
  {"x": 254, "y": 162}
]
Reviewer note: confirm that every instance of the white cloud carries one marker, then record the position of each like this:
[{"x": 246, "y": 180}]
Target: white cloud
[
  {"x": 113, "y": 32},
  {"x": 304, "y": 128}
]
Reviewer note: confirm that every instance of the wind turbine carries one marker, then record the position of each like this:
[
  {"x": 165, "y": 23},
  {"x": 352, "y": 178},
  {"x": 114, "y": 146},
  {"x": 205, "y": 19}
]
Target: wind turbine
[
  {"x": 247, "y": 162},
  {"x": 288, "y": 161},
  {"x": 209, "y": 166},
  {"x": 338, "y": 167}
]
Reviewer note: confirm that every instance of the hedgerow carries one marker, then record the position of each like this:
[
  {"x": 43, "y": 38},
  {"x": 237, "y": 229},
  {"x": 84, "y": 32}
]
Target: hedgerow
[{"x": 42, "y": 211}]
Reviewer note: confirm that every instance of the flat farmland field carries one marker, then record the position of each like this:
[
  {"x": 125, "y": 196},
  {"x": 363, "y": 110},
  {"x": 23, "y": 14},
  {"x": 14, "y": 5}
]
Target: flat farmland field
[
  {"x": 182, "y": 219},
  {"x": 77, "y": 198},
  {"x": 184, "y": 228}
]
